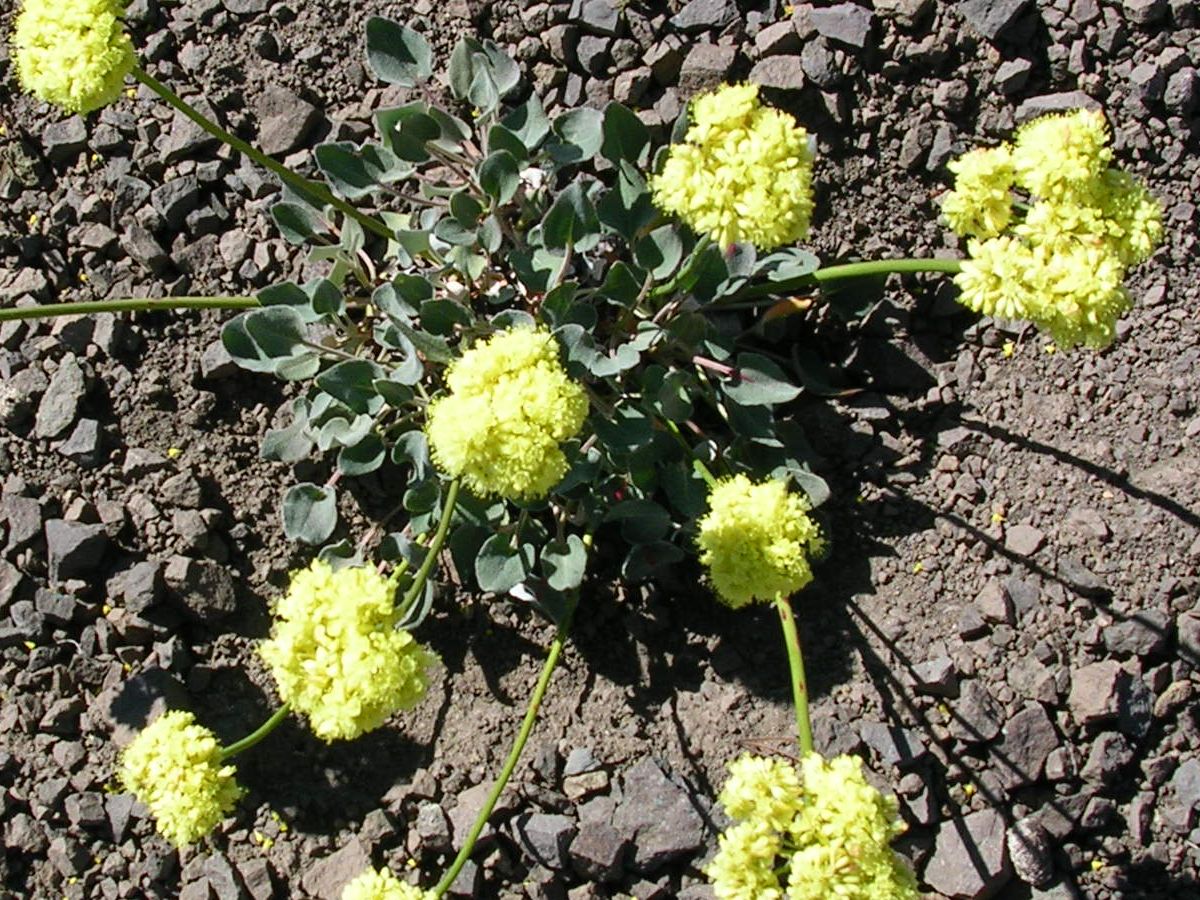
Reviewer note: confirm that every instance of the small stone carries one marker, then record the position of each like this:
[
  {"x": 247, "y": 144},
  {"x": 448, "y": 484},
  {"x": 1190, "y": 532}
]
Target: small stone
[
  {"x": 591, "y": 52},
  {"x": 60, "y": 403},
  {"x": 182, "y": 490},
  {"x": 63, "y": 716},
  {"x": 1109, "y": 755},
  {"x": 68, "y": 856},
  {"x": 1177, "y": 695},
  {"x": 896, "y": 746},
  {"x": 971, "y": 624},
  {"x": 1182, "y": 91},
  {"x": 1135, "y": 708},
  {"x": 327, "y": 877},
  {"x": 585, "y": 784},
  {"x": 433, "y": 828},
  {"x": 1081, "y": 579},
  {"x": 145, "y": 249},
  {"x": 23, "y": 516},
  {"x": 1096, "y": 692},
  {"x": 64, "y": 139},
  {"x": 255, "y": 873},
  {"x": 137, "y": 588},
  {"x": 1012, "y": 75},
  {"x": 970, "y": 857},
  {"x": 203, "y": 588},
  {"x": 1145, "y": 12},
  {"x": 1023, "y": 540},
  {"x": 285, "y": 121},
  {"x": 118, "y": 809},
  {"x": 83, "y": 446},
  {"x": 598, "y": 852},
  {"x": 597, "y": 16},
  {"x": 914, "y": 145},
  {"x": 246, "y": 7},
  {"x": 780, "y": 73},
  {"x": 1098, "y": 813},
  {"x": 976, "y": 717},
  {"x": 1026, "y": 742},
  {"x": 1064, "y": 101},
  {"x": 175, "y": 199},
  {"x": 905, "y": 12},
  {"x": 136, "y": 702},
  {"x": 705, "y": 15},
  {"x": 777, "y": 38},
  {"x": 705, "y": 67},
  {"x": 992, "y": 18},
  {"x": 1185, "y": 795},
  {"x": 186, "y": 139},
  {"x": 994, "y": 604},
  {"x": 1031, "y": 852},
  {"x": 848, "y": 23},
  {"x": 545, "y": 837},
  {"x": 938, "y": 677},
  {"x": 820, "y": 65},
  {"x": 657, "y": 817},
  {"x": 73, "y": 548},
  {"x": 1142, "y": 634}
]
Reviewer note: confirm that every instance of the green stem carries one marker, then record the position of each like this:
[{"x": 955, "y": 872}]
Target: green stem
[
  {"x": 313, "y": 189},
  {"x": 685, "y": 272},
  {"x": 258, "y": 734},
  {"x": 435, "y": 547},
  {"x": 514, "y": 755},
  {"x": 796, "y": 663},
  {"x": 851, "y": 270},
  {"x": 128, "y": 304}
]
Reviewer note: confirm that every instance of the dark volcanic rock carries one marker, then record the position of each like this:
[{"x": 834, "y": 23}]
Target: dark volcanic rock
[
  {"x": 203, "y": 588},
  {"x": 992, "y": 18},
  {"x": 73, "y": 548},
  {"x": 657, "y": 817},
  {"x": 970, "y": 858}
]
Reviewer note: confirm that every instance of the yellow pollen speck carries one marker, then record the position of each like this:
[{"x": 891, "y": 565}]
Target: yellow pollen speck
[
  {"x": 32, "y": 220},
  {"x": 918, "y": 568},
  {"x": 1049, "y": 348},
  {"x": 106, "y": 609},
  {"x": 969, "y": 789},
  {"x": 943, "y": 709},
  {"x": 173, "y": 453},
  {"x": 1097, "y": 865},
  {"x": 1008, "y": 349},
  {"x": 30, "y": 645},
  {"x": 83, "y": 277},
  {"x": 997, "y": 517},
  {"x": 126, "y": 667},
  {"x": 130, "y": 93}
]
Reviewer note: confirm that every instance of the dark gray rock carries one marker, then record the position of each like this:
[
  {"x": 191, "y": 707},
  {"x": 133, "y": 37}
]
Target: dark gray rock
[
  {"x": 216, "y": 362},
  {"x": 976, "y": 717},
  {"x": 545, "y": 837},
  {"x": 777, "y": 38},
  {"x": 63, "y": 716},
  {"x": 1027, "y": 740},
  {"x": 135, "y": 703},
  {"x": 86, "y": 809},
  {"x": 915, "y": 145},
  {"x": 222, "y": 878},
  {"x": 1064, "y": 101},
  {"x": 706, "y": 66},
  {"x": 780, "y": 73},
  {"x": 1145, "y": 633},
  {"x": 23, "y": 516},
  {"x": 1110, "y": 754},
  {"x": 182, "y": 490},
  {"x": 847, "y": 23},
  {"x": 285, "y": 121},
  {"x": 1184, "y": 803},
  {"x": 83, "y": 446},
  {"x": 657, "y": 817},
  {"x": 1145, "y": 12},
  {"x": 705, "y": 15},
  {"x": 433, "y": 828},
  {"x": 202, "y": 588},
  {"x": 59, "y": 609},
  {"x": 64, "y": 139},
  {"x": 592, "y": 54},
  {"x": 971, "y": 624},
  {"x": 246, "y": 7},
  {"x": 1076, "y": 575},
  {"x": 665, "y": 60},
  {"x": 174, "y": 200},
  {"x": 73, "y": 548},
  {"x": 970, "y": 857},
  {"x": 992, "y": 18},
  {"x": 597, "y": 16},
  {"x": 118, "y": 809},
  {"x": 186, "y": 139},
  {"x": 139, "y": 587},
  {"x": 255, "y": 874},
  {"x": 60, "y": 403},
  {"x": 1135, "y": 708},
  {"x": 1187, "y": 628},
  {"x": 819, "y": 64},
  {"x": 906, "y": 13},
  {"x": 896, "y": 746},
  {"x": 68, "y": 856},
  {"x": 19, "y": 395},
  {"x": 937, "y": 676},
  {"x": 1031, "y": 852},
  {"x": 327, "y": 877},
  {"x": 1023, "y": 540},
  {"x": 1182, "y": 92},
  {"x": 598, "y": 852},
  {"x": 145, "y": 249},
  {"x": 994, "y": 604}
]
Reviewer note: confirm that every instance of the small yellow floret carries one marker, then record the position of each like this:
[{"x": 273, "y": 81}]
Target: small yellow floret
[
  {"x": 510, "y": 405},
  {"x": 742, "y": 173},
  {"x": 1059, "y": 153},
  {"x": 756, "y": 540},
  {"x": 981, "y": 203},
  {"x": 174, "y": 766},
  {"x": 381, "y": 884},
  {"x": 336, "y": 654},
  {"x": 72, "y": 53}
]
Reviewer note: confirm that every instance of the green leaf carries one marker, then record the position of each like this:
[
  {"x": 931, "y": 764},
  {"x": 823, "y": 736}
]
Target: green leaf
[
  {"x": 290, "y": 444},
  {"x": 759, "y": 382},
  {"x": 412, "y": 448},
  {"x": 298, "y": 223},
  {"x": 499, "y": 567},
  {"x": 528, "y": 123},
  {"x": 454, "y": 233},
  {"x": 580, "y": 133},
  {"x": 309, "y": 513},
  {"x": 466, "y": 209},
  {"x": 564, "y": 562},
  {"x": 647, "y": 560},
  {"x": 339, "y": 555},
  {"x": 365, "y": 456},
  {"x": 642, "y": 521},
  {"x": 625, "y": 136},
  {"x": 622, "y": 284},
  {"x": 441, "y": 316},
  {"x": 325, "y": 298},
  {"x": 499, "y": 176},
  {"x": 352, "y": 382},
  {"x": 501, "y": 139},
  {"x": 685, "y": 489},
  {"x": 343, "y": 430},
  {"x": 673, "y": 398},
  {"x": 659, "y": 252},
  {"x": 262, "y": 339},
  {"x": 397, "y": 54},
  {"x": 357, "y": 172},
  {"x": 290, "y": 294},
  {"x": 628, "y": 430},
  {"x": 627, "y": 207},
  {"x": 569, "y": 218},
  {"x": 481, "y": 73},
  {"x": 582, "y": 349},
  {"x": 784, "y": 265},
  {"x": 422, "y": 496}
]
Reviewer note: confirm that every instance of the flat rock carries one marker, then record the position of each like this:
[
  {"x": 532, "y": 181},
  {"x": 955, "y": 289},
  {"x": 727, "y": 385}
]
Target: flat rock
[
  {"x": 657, "y": 817},
  {"x": 992, "y": 18},
  {"x": 285, "y": 121},
  {"x": 64, "y": 138},
  {"x": 60, "y": 403},
  {"x": 706, "y": 66},
  {"x": 937, "y": 676},
  {"x": 1110, "y": 754},
  {"x": 1023, "y": 540},
  {"x": 597, "y": 16},
  {"x": 1145, "y": 633},
  {"x": 74, "y": 548},
  {"x": 994, "y": 604},
  {"x": 1064, "y": 101},
  {"x": 203, "y": 588},
  {"x": 327, "y": 877},
  {"x": 705, "y": 15},
  {"x": 175, "y": 199},
  {"x": 781, "y": 73},
  {"x": 545, "y": 837},
  {"x": 1096, "y": 692},
  {"x": 1031, "y": 852},
  {"x": 847, "y": 23},
  {"x": 83, "y": 446},
  {"x": 598, "y": 852},
  {"x": 970, "y": 857},
  {"x": 896, "y": 746},
  {"x": 1026, "y": 741},
  {"x": 133, "y": 705},
  {"x": 976, "y": 717}
]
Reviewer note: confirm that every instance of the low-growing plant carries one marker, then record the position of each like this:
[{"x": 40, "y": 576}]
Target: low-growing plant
[{"x": 553, "y": 332}]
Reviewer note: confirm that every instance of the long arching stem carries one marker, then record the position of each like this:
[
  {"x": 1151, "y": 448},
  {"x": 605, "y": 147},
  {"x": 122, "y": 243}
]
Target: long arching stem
[
  {"x": 796, "y": 664},
  {"x": 306, "y": 186},
  {"x": 127, "y": 304},
  {"x": 849, "y": 270},
  {"x": 258, "y": 734}
]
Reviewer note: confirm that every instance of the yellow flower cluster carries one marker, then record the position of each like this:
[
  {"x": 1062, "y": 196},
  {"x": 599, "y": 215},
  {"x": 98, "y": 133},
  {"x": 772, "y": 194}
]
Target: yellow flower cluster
[
  {"x": 823, "y": 826},
  {"x": 1060, "y": 264},
  {"x": 756, "y": 540},
  {"x": 174, "y": 767},
  {"x": 510, "y": 405},
  {"x": 742, "y": 173},
  {"x": 72, "y": 53},
  {"x": 381, "y": 884},
  {"x": 336, "y": 654}
]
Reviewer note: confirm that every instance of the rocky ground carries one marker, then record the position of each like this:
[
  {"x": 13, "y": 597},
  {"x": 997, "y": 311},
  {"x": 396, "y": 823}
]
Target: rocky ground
[{"x": 1008, "y": 628}]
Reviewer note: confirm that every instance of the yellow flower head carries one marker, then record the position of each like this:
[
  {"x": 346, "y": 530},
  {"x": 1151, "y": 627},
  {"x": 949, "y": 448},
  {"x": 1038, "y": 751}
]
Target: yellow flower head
[
  {"x": 742, "y": 173},
  {"x": 72, "y": 53},
  {"x": 336, "y": 654},
  {"x": 822, "y": 827},
  {"x": 174, "y": 767},
  {"x": 756, "y": 540},
  {"x": 381, "y": 884},
  {"x": 1059, "y": 153},
  {"x": 981, "y": 203},
  {"x": 509, "y": 407}
]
